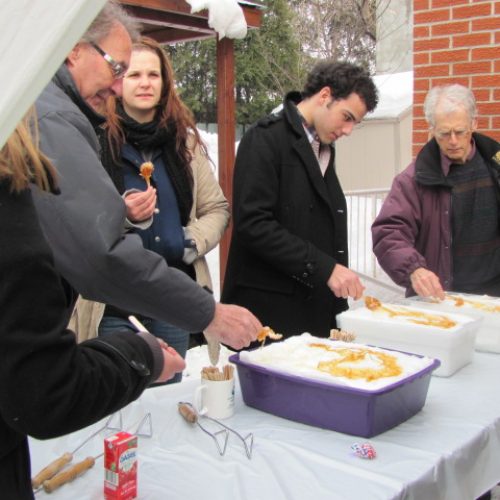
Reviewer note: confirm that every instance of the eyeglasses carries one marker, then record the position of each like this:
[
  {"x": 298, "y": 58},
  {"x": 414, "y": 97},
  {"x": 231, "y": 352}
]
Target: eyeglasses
[
  {"x": 446, "y": 134},
  {"x": 117, "y": 68}
]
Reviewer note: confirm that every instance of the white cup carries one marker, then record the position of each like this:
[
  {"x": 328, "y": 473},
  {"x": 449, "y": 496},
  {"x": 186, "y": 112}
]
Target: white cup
[{"x": 215, "y": 398}]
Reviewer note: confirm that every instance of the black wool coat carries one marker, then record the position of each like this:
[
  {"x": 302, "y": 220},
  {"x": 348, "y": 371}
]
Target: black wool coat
[{"x": 290, "y": 228}]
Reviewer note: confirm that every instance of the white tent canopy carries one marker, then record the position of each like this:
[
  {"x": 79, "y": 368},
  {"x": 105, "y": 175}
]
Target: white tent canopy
[{"x": 35, "y": 37}]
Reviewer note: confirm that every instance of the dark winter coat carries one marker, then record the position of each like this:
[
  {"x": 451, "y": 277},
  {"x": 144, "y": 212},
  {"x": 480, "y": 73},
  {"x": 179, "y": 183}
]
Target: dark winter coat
[
  {"x": 289, "y": 231},
  {"x": 49, "y": 385},
  {"x": 413, "y": 228}
]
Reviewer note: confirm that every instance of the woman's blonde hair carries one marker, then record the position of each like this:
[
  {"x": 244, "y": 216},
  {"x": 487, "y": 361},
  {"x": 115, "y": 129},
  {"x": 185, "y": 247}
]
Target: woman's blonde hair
[{"x": 21, "y": 160}]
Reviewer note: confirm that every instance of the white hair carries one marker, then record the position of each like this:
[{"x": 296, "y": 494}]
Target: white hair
[{"x": 448, "y": 98}]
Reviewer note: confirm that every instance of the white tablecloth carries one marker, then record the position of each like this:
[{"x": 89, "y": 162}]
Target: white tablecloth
[{"x": 450, "y": 450}]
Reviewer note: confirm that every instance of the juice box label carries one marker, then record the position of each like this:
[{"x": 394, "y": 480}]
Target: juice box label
[{"x": 120, "y": 467}]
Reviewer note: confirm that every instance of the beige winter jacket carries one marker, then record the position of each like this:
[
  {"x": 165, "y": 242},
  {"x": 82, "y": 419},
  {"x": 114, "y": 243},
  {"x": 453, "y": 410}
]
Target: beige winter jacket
[{"x": 209, "y": 216}]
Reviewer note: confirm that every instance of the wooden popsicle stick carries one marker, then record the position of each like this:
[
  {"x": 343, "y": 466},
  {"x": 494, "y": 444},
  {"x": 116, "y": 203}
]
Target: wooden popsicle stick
[
  {"x": 51, "y": 470},
  {"x": 68, "y": 475},
  {"x": 140, "y": 327}
]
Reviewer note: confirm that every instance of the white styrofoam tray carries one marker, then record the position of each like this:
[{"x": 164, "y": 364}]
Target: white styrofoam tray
[
  {"x": 454, "y": 347},
  {"x": 488, "y": 333}
]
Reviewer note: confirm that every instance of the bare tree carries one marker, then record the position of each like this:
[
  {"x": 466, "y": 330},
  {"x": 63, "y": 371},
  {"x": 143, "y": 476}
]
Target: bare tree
[{"x": 339, "y": 29}]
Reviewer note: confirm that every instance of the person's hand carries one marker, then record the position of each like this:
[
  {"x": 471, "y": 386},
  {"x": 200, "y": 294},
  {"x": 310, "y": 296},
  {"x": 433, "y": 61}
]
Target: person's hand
[
  {"x": 172, "y": 362},
  {"x": 140, "y": 204},
  {"x": 233, "y": 325},
  {"x": 426, "y": 283},
  {"x": 345, "y": 283}
]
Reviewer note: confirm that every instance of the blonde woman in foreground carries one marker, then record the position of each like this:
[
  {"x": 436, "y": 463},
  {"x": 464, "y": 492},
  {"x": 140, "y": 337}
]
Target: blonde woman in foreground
[{"x": 94, "y": 378}]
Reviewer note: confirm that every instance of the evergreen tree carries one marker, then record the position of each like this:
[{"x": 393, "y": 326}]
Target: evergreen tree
[
  {"x": 195, "y": 72},
  {"x": 268, "y": 64}
]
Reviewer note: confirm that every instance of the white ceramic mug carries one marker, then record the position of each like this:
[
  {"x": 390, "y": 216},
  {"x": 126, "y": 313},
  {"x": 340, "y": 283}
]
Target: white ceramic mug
[{"x": 215, "y": 398}]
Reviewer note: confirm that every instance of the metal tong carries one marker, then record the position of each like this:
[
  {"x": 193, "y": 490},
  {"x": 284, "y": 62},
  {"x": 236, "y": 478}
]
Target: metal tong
[
  {"x": 191, "y": 416},
  {"x": 50, "y": 475}
]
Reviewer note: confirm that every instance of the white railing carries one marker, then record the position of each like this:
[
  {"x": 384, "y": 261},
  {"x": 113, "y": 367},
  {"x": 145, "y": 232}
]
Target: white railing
[{"x": 363, "y": 205}]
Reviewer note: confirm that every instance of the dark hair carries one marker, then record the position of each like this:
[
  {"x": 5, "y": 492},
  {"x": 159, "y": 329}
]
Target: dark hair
[{"x": 343, "y": 79}]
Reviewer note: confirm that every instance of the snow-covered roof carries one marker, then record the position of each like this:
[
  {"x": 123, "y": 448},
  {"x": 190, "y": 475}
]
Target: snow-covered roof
[{"x": 395, "y": 95}]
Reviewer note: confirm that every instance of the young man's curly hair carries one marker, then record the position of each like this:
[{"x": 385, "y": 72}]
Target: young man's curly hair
[{"x": 343, "y": 79}]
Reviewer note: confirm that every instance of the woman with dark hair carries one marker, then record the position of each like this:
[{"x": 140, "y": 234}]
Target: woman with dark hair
[
  {"x": 156, "y": 158},
  {"x": 49, "y": 384}
]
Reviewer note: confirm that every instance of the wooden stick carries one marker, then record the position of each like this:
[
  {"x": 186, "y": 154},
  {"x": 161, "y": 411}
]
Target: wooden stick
[
  {"x": 51, "y": 470},
  {"x": 68, "y": 475}
]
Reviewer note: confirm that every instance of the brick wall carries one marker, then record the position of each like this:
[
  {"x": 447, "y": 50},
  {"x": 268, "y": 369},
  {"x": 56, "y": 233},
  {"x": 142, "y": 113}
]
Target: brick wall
[{"x": 457, "y": 41}]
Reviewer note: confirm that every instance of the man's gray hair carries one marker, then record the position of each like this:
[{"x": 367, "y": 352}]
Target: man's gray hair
[
  {"x": 448, "y": 98},
  {"x": 111, "y": 13}
]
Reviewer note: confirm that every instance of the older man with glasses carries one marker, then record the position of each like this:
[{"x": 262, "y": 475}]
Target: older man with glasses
[
  {"x": 439, "y": 227},
  {"x": 85, "y": 223}
]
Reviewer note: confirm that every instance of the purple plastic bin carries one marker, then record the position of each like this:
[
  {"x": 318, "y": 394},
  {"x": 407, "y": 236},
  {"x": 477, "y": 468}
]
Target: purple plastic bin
[{"x": 339, "y": 408}]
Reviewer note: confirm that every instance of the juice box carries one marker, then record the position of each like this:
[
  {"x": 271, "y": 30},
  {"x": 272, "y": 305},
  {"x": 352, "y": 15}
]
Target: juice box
[{"x": 120, "y": 466}]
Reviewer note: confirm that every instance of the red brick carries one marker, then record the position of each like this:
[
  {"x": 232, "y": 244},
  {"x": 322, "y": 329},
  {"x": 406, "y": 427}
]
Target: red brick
[
  {"x": 486, "y": 24},
  {"x": 431, "y": 16},
  {"x": 447, "y": 3},
  {"x": 432, "y": 70},
  {"x": 420, "y": 136},
  {"x": 453, "y": 79},
  {"x": 486, "y": 81},
  {"x": 421, "y": 84},
  {"x": 496, "y": 122},
  {"x": 496, "y": 94},
  {"x": 497, "y": 8},
  {"x": 420, "y": 5},
  {"x": 482, "y": 95},
  {"x": 421, "y": 32},
  {"x": 421, "y": 58},
  {"x": 497, "y": 66},
  {"x": 470, "y": 11},
  {"x": 486, "y": 53},
  {"x": 489, "y": 108},
  {"x": 431, "y": 44},
  {"x": 483, "y": 122},
  {"x": 450, "y": 28},
  {"x": 449, "y": 56},
  {"x": 418, "y": 111},
  {"x": 472, "y": 68},
  {"x": 497, "y": 37},
  {"x": 471, "y": 40},
  {"x": 420, "y": 124},
  {"x": 419, "y": 97}
]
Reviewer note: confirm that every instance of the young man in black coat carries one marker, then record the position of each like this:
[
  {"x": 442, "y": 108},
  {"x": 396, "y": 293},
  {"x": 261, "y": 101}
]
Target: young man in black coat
[{"x": 288, "y": 256}]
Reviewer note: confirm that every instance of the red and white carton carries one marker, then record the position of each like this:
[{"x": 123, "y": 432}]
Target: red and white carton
[{"x": 120, "y": 466}]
